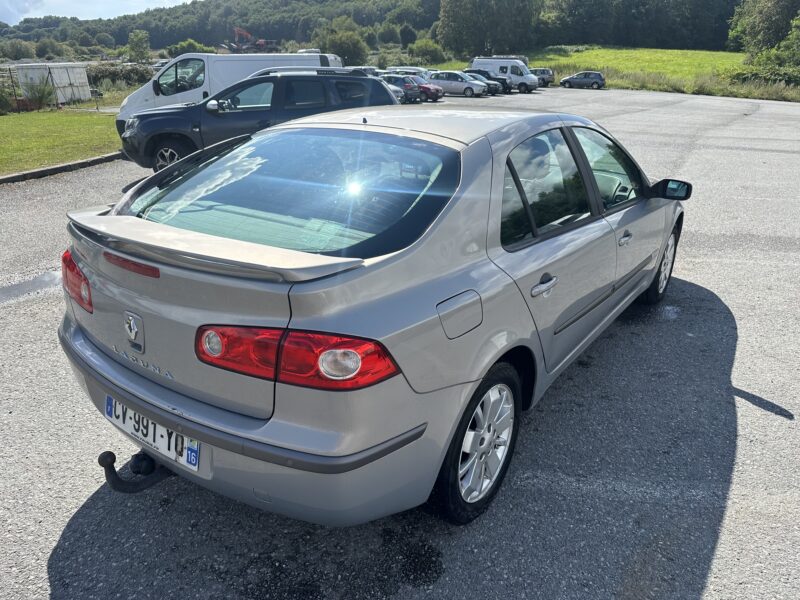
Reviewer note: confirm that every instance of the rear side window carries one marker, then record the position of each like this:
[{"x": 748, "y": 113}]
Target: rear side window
[
  {"x": 305, "y": 94},
  {"x": 334, "y": 192},
  {"x": 515, "y": 226},
  {"x": 550, "y": 182},
  {"x": 352, "y": 91}
]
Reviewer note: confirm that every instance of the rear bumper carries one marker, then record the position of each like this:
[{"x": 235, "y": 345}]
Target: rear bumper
[{"x": 345, "y": 489}]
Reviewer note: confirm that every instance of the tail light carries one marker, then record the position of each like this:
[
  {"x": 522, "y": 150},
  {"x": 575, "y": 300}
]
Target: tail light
[
  {"x": 75, "y": 282},
  {"x": 316, "y": 360},
  {"x": 249, "y": 350},
  {"x": 408, "y": 86}
]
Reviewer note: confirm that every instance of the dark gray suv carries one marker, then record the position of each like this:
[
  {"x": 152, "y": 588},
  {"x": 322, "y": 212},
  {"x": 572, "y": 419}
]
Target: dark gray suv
[
  {"x": 584, "y": 79},
  {"x": 160, "y": 136}
]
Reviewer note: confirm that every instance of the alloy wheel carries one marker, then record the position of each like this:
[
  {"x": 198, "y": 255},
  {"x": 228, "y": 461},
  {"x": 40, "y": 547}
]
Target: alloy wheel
[
  {"x": 666, "y": 264},
  {"x": 485, "y": 446},
  {"x": 165, "y": 157}
]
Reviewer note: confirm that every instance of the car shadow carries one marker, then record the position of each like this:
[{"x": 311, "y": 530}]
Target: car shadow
[{"x": 617, "y": 489}]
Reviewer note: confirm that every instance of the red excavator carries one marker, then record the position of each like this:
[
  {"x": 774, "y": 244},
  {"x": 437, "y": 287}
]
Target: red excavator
[{"x": 244, "y": 42}]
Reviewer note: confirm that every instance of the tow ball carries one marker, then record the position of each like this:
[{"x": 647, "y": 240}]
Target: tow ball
[{"x": 141, "y": 464}]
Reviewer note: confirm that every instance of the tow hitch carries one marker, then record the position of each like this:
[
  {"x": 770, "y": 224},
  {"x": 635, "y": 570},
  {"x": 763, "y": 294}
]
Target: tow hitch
[{"x": 141, "y": 464}]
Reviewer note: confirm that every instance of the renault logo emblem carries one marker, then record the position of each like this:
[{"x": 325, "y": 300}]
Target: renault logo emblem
[
  {"x": 131, "y": 328},
  {"x": 134, "y": 328}
]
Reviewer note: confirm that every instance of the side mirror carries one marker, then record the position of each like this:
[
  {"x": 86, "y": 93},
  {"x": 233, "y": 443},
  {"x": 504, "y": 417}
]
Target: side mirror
[
  {"x": 156, "y": 87},
  {"x": 212, "y": 106},
  {"x": 671, "y": 189}
]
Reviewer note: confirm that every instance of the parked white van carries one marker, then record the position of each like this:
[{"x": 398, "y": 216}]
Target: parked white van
[
  {"x": 194, "y": 76},
  {"x": 516, "y": 69}
]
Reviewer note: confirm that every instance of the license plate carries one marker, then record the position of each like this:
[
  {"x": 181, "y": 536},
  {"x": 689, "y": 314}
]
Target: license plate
[{"x": 175, "y": 446}]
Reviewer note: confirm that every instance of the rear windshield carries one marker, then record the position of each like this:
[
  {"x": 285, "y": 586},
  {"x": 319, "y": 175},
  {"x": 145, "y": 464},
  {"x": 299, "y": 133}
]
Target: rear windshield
[{"x": 334, "y": 192}]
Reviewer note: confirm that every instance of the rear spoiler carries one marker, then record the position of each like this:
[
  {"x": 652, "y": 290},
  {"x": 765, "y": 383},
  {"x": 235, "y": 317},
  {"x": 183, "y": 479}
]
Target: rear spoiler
[{"x": 189, "y": 249}]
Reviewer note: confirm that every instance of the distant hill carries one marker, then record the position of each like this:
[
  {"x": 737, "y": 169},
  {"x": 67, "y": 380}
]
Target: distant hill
[{"x": 212, "y": 21}]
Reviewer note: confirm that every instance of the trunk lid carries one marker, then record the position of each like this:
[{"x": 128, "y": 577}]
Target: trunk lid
[{"x": 202, "y": 280}]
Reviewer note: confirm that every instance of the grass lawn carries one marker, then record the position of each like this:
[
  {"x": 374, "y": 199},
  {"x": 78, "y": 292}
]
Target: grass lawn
[
  {"x": 683, "y": 71},
  {"x": 110, "y": 98},
  {"x": 42, "y": 139},
  {"x": 673, "y": 63}
]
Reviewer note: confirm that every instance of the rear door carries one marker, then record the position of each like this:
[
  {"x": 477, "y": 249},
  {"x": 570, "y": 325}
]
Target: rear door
[
  {"x": 638, "y": 221},
  {"x": 303, "y": 97},
  {"x": 558, "y": 250},
  {"x": 243, "y": 109}
]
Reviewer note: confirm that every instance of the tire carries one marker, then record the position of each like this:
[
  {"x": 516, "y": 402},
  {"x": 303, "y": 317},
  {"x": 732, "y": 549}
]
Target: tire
[
  {"x": 469, "y": 92},
  {"x": 595, "y": 86},
  {"x": 423, "y": 97},
  {"x": 546, "y": 84},
  {"x": 567, "y": 84},
  {"x": 523, "y": 88},
  {"x": 170, "y": 150},
  {"x": 658, "y": 288},
  {"x": 448, "y": 499}
]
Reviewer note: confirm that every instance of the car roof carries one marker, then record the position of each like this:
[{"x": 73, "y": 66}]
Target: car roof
[{"x": 461, "y": 125}]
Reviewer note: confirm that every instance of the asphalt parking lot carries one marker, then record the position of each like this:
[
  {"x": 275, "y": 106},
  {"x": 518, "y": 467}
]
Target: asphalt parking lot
[{"x": 663, "y": 464}]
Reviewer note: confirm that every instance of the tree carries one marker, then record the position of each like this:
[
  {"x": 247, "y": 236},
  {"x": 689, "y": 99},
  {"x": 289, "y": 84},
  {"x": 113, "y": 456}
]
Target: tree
[
  {"x": 139, "y": 46},
  {"x": 47, "y": 46},
  {"x": 104, "y": 39},
  {"x": 478, "y": 26},
  {"x": 85, "y": 40},
  {"x": 349, "y": 46},
  {"x": 17, "y": 49},
  {"x": 407, "y": 35},
  {"x": 427, "y": 51},
  {"x": 389, "y": 34},
  {"x": 189, "y": 46},
  {"x": 761, "y": 24},
  {"x": 370, "y": 37}
]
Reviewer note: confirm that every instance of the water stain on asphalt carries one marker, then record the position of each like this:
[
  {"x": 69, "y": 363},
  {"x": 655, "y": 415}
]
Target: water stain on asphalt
[{"x": 40, "y": 282}]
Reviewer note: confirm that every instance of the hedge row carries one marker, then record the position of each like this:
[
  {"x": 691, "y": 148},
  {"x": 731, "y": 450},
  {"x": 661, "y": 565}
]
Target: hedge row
[{"x": 128, "y": 74}]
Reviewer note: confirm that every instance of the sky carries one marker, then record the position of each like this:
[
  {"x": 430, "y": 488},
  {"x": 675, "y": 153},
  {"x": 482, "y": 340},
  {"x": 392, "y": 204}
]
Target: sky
[{"x": 12, "y": 11}]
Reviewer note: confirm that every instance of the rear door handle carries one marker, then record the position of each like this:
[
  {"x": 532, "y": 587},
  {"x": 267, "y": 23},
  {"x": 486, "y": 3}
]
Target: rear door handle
[
  {"x": 626, "y": 238},
  {"x": 543, "y": 289}
]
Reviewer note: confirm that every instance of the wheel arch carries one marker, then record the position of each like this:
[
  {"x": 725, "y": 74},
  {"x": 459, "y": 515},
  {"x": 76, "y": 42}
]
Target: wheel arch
[
  {"x": 678, "y": 227},
  {"x": 524, "y": 362},
  {"x": 159, "y": 137}
]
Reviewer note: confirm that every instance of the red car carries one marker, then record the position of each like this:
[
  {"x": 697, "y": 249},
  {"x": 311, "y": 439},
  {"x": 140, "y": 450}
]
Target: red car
[{"x": 427, "y": 91}]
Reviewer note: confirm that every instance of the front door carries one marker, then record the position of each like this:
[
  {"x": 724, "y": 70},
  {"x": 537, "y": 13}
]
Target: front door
[
  {"x": 556, "y": 247},
  {"x": 242, "y": 110},
  {"x": 183, "y": 81},
  {"x": 638, "y": 221}
]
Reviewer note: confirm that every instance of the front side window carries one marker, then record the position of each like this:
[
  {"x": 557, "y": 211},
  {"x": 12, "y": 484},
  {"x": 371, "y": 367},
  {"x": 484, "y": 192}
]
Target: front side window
[
  {"x": 550, "y": 181},
  {"x": 305, "y": 94},
  {"x": 334, "y": 192},
  {"x": 617, "y": 177},
  {"x": 515, "y": 70},
  {"x": 183, "y": 76},
  {"x": 257, "y": 96}
]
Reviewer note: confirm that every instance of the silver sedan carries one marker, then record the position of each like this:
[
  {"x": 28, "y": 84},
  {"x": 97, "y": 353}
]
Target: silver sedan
[
  {"x": 344, "y": 316},
  {"x": 459, "y": 84}
]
